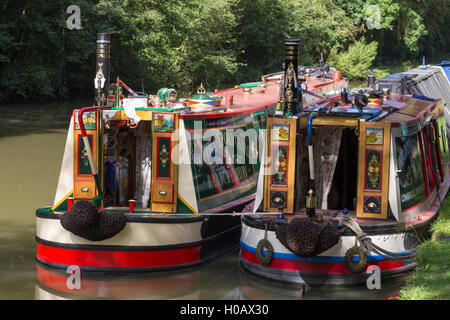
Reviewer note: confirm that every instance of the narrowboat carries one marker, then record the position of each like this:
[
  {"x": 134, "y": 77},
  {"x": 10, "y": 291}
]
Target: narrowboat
[
  {"x": 348, "y": 186},
  {"x": 144, "y": 178},
  {"x": 432, "y": 81}
]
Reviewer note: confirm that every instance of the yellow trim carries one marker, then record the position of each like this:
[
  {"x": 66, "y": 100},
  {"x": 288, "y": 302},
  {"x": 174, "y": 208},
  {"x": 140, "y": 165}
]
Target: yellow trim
[
  {"x": 187, "y": 204},
  {"x": 62, "y": 200}
]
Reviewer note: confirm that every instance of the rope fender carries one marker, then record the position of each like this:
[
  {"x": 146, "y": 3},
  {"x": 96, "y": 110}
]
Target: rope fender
[
  {"x": 366, "y": 246},
  {"x": 264, "y": 244}
]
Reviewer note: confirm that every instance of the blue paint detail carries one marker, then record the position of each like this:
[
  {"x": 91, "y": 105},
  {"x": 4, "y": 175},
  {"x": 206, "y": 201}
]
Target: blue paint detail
[
  {"x": 446, "y": 66},
  {"x": 323, "y": 259},
  {"x": 423, "y": 97},
  {"x": 311, "y": 117}
]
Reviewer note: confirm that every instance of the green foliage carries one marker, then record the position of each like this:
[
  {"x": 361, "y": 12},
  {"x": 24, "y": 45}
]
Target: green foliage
[
  {"x": 356, "y": 61},
  {"x": 431, "y": 280},
  {"x": 178, "y": 43}
]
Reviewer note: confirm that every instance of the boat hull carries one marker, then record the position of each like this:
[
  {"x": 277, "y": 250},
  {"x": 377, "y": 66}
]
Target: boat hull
[
  {"x": 327, "y": 268},
  {"x": 145, "y": 244}
]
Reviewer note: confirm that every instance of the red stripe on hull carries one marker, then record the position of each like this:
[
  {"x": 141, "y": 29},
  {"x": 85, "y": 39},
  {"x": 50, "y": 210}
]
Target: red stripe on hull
[
  {"x": 110, "y": 288},
  {"x": 316, "y": 267},
  {"x": 118, "y": 259}
]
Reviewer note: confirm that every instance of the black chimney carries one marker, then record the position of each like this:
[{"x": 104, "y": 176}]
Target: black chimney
[
  {"x": 102, "y": 67},
  {"x": 290, "y": 77}
]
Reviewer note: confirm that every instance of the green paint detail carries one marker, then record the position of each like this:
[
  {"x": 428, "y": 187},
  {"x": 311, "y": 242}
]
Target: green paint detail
[
  {"x": 99, "y": 186},
  {"x": 45, "y": 210},
  {"x": 164, "y": 158},
  {"x": 182, "y": 208},
  {"x": 150, "y": 109},
  {"x": 97, "y": 200},
  {"x": 250, "y": 84},
  {"x": 85, "y": 167}
]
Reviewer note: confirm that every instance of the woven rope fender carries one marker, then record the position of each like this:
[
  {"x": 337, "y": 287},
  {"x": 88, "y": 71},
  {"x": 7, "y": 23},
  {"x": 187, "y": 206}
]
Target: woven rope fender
[
  {"x": 359, "y": 266},
  {"x": 264, "y": 244},
  {"x": 85, "y": 221},
  {"x": 306, "y": 238}
]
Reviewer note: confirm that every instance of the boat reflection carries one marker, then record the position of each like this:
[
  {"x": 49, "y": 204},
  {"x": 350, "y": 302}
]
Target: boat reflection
[
  {"x": 252, "y": 287},
  {"x": 215, "y": 280}
]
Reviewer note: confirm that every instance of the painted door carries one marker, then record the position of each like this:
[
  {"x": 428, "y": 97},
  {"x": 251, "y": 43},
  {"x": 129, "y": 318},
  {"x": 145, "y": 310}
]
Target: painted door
[
  {"x": 373, "y": 170},
  {"x": 279, "y": 179},
  {"x": 164, "y": 170}
]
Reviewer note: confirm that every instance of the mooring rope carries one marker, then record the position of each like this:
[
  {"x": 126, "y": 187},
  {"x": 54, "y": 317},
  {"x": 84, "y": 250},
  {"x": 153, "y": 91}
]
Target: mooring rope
[{"x": 368, "y": 245}]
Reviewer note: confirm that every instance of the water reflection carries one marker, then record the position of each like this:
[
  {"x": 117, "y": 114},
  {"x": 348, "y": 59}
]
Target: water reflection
[
  {"x": 252, "y": 287},
  {"x": 220, "y": 279},
  {"x": 214, "y": 280}
]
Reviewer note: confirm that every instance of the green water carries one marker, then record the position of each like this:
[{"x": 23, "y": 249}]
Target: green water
[{"x": 32, "y": 142}]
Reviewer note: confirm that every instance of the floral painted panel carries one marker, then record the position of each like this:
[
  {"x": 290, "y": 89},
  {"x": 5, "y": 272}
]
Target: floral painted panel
[
  {"x": 373, "y": 170},
  {"x": 279, "y": 165}
]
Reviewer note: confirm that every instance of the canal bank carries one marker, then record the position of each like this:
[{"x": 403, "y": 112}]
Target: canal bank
[{"x": 431, "y": 277}]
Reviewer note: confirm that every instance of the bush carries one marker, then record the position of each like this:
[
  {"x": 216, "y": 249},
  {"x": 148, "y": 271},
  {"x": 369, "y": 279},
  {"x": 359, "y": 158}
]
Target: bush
[{"x": 356, "y": 61}]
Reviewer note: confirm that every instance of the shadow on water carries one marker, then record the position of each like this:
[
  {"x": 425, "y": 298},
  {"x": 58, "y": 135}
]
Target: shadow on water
[
  {"x": 252, "y": 287},
  {"x": 23, "y": 119}
]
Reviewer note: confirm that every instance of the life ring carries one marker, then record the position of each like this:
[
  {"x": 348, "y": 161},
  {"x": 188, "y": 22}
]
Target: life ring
[
  {"x": 264, "y": 259},
  {"x": 355, "y": 267}
]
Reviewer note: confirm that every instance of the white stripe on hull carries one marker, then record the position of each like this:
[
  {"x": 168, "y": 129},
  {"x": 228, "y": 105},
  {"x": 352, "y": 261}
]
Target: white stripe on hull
[
  {"x": 134, "y": 233},
  {"x": 391, "y": 242}
]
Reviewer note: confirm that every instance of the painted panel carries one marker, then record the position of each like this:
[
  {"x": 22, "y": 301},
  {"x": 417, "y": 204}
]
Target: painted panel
[
  {"x": 280, "y": 160},
  {"x": 374, "y": 136},
  {"x": 280, "y": 132},
  {"x": 164, "y": 158},
  {"x": 164, "y": 170},
  {"x": 279, "y": 184},
  {"x": 163, "y": 122},
  {"x": 84, "y": 168},
  {"x": 89, "y": 120},
  {"x": 373, "y": 170}
]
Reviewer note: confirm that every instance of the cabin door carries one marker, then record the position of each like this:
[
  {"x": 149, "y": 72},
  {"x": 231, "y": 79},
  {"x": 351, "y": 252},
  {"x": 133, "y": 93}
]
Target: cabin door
[
  {"x": 373, "y": 170},
  {"x": 84, "y": 183},
  {"x": 164, "y": 170},
  {"x": 279, "y": 179}
]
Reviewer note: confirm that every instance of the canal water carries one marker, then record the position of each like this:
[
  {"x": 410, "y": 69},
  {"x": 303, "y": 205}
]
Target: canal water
[{"x": 32, "y": 139}]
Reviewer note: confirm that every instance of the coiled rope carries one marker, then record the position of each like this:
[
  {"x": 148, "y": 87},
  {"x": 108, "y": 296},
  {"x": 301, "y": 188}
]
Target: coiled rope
[{"x": 368, "y": 245}]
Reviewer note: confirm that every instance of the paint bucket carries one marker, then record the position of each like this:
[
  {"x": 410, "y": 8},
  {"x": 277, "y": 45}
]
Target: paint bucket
[
  {"x": 69, "y": 203},
  {"x": 336, "y": 75},
  {"x": 131, "y": 204}
]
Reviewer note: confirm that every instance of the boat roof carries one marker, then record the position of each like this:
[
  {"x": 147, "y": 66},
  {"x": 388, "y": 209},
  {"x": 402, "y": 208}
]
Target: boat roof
[
  {"x": 404, "y": 109},
  {"x": 247, "y": 98}
]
